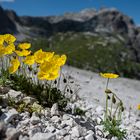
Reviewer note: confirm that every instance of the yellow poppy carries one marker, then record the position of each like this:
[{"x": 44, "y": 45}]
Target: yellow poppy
[
  {"x": 62, "y": 60},
  {"x": 8, "y": 38},
  {"x": 48, "y": 56},
  {"x": 52, "y": 76},
  {"x": 39, "y": 56},
  {"x": 9, "y": 49},
  {"x": 24, "y": 46},
  {"x": 138, "y": 107},
  {"x": 15, "y": 63},
  {"x": 1, "y": 39},
  {"x": 23, "y": 53},
  {"x": 42, "y": 76},
  {"x": 109, "y": 75},
  {"x": 29, "y": 60},
  {"x": 2, "y": 51},
  {"x": 48, "y": 71}
]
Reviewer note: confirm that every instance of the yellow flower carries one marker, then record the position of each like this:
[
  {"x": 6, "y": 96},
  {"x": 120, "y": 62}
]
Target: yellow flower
[
  {"x": 109, "y": 75},
  {"x": 59, "y": 60},
  {"x": 40, "y": 56},
  {"x": 47, "y": 76},
  {"x": 24, "y": 46},
  {"x": 9, "y": 49},
  {"x": 48, "y": 56},
  {"x": 8, "y": 38},
  {"x": 138, "y": 107},
  {"x": 62, "y": 60},
  {"x": 52, "y": 76},
  {"x": 23, "y": 53},
  {"x": 15, "y": 63},
  {"x": 48, "y": 71},
  {"x": 2, "y": 51},
  {"x": 1, "y": 39},
  {"x": 42, "y": 75},
  {"x": 29, "y": 60}
]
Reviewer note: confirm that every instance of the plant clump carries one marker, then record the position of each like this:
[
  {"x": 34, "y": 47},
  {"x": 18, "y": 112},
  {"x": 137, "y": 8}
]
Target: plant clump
[{"x": 112, "y": 119}]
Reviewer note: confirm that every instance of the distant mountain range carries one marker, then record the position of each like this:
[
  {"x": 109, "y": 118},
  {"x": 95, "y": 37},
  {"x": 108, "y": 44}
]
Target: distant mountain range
[{"x": 111, "y": 24}]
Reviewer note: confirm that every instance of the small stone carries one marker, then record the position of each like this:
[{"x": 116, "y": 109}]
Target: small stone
[
  {"x": 67, "y": 137},
  {"x": 89, "y": 137},
  {"x": 51, "y": 128},
  {"x": 2, "y": 126},
  {"x": 9, "y": 116},
  {"x": 29, "y": 100},
  {"x": 23, "y": 137},
  {"x": 88, "y": 114},
  {"x": 35, "y": 119},
  {"x": 55, "y": 119},
  {"x": 46, "y": 112},
  {"x": 69, "y": 122},
  {"x": 100, "y": 110},
  {"x": 2, "y": 129},
  {"x": 63, "y": 132},
  {"x": 90, "y": 132},
  {"x": 75, "y": 132},
  {"x": 16, "y": 95},
  {"x": 34, "y": 130},
  {"x": 54, "y": 110},
  {"x": 114, "y": 138},
  {"x": 66, "y": 117},
  {"x": 137, "y": 124},
  {"x": 43, "y": 136},
  {"x": 12, "y": 134}
]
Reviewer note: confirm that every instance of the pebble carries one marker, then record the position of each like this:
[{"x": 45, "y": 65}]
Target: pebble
[
  {"x": 54, "y": 110},
  {"x": 9, "y": 116},
  {"x": 43, "y": 136},
  {"x": 34, "y": 119},
  {"x": 12, "y": 134}
]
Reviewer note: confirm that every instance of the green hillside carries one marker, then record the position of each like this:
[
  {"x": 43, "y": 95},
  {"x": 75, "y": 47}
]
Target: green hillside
[{"x": 97, "y": 53}]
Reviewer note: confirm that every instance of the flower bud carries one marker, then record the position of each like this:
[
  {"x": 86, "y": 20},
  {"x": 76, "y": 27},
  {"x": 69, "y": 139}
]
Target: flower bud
[
  {"x": 113, "y": 99},
  {"x": 108, "y": 91}
]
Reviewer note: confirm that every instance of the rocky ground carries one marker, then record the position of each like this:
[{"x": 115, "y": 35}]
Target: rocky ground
[{"x": 52, "y": 124}]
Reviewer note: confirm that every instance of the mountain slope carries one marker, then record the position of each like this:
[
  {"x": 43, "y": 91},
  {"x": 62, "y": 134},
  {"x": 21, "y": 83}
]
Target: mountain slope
[{"x": 104, "y": 40}]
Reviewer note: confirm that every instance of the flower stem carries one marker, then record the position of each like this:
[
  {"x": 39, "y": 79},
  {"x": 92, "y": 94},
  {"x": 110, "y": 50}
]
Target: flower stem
[{"x": 106, "y": 114}]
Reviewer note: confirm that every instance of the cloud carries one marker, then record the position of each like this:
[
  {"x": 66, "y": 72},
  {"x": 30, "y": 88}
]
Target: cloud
[{"x": 7, "y": 0}]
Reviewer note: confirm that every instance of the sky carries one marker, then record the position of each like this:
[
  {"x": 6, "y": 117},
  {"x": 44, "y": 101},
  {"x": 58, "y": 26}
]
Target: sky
[{"x": 59, "y": 7}]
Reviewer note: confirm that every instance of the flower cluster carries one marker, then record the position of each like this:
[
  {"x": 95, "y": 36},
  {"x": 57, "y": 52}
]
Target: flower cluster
[{"x": 47, "y": 64}]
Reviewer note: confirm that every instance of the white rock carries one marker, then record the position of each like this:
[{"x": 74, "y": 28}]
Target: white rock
[
  {"x": 12, "y": 134},
  {"x": 100, "y": 110},
  {"x": 50, "y": 128},
  {"x": 75, "y": 132},
  {"x": 29, "y": 100},
  {"x": 9, "y": 116},
  {"x": 66, "y": 117},
  {"x": 35, "y": 119},
  {"x": 34, "y": 130},
  {"x": 67, "y": 137},
  {"x": 54, "y": 110},
  {"x": 55, "y": 119},
  {"x": 89, "y": 137},
  {"x": 46, "y": 112},
  {"x": 43, "y": 136},
  {"x": 63, "y": 132},
  {"x": 114, "y": 138},
  {"x": 88, "y": 114},
  {"x": 90, "y": 132},
  {"x": 16, "y": 95},
  {"x": 23, "y": 137},
  {"x": 69, "y": 122},
  {"x": 137, "y": 124}
]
